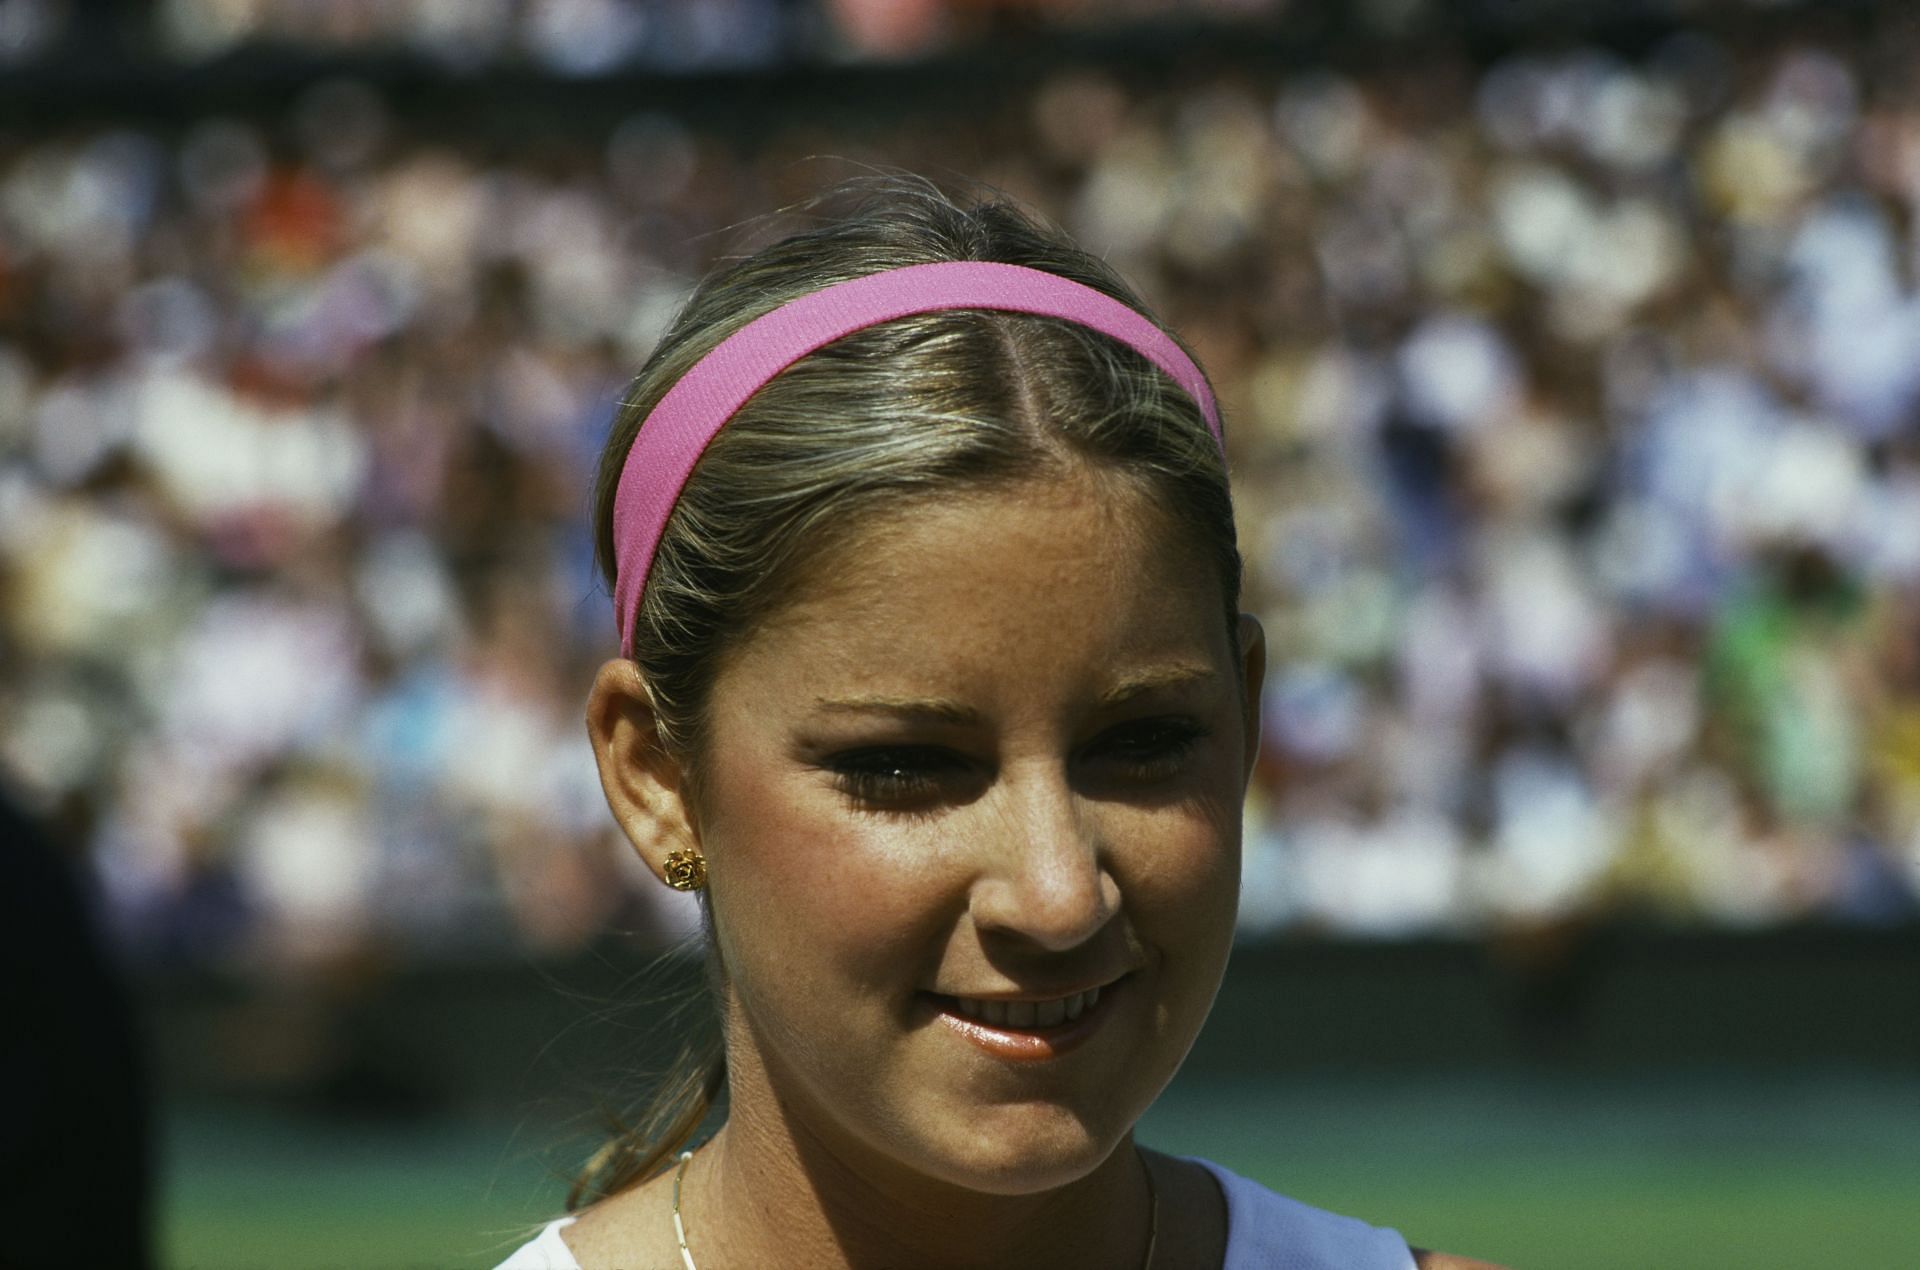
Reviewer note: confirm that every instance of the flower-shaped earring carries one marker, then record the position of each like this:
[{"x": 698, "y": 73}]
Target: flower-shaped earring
[{"x": 685, "y": 870}]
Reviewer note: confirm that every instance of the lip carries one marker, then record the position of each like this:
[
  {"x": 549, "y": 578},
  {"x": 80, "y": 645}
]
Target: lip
[{"x": 1029, "y": 1044}]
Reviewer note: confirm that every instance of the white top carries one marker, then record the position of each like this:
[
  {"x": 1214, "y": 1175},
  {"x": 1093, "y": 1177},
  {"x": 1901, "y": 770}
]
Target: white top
[
  {"x": 545, "y": 1251},
  {"x": 1265, "y": 1231}
]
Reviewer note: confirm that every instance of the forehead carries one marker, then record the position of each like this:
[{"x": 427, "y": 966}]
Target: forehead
[{"x": 1062, "y": 579}]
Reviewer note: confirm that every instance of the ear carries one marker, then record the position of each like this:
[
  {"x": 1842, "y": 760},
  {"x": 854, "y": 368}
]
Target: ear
[
  {"x": 645, "y": 786},
  {"x": 1253, "y": 679}
]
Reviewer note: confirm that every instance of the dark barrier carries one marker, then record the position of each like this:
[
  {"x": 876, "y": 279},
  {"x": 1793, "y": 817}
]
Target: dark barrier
[
  {"x": 508, "y": 1037},
  {"x": 1608, "y": 997}
]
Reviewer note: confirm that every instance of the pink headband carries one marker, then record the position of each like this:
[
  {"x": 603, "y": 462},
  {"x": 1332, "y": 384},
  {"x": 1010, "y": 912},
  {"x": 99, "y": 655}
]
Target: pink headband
[{"x": 681, "y": 424}]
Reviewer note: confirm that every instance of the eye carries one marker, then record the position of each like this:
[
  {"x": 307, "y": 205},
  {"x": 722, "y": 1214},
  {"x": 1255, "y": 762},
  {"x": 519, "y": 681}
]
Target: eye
[
  {"x": 899, "y": 775},
  {"x": 1146, "y": 749}
]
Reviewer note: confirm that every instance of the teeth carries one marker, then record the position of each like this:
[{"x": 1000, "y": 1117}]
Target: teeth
[{"x": 1026, "y": 1014}]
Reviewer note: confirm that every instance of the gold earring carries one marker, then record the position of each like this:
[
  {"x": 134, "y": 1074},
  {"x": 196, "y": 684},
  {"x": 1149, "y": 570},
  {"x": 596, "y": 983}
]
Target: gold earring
[{"x": 686, "y": 870}]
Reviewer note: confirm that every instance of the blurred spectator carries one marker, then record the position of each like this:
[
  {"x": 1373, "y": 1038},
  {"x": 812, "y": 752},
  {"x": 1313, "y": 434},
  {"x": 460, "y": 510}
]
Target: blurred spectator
[{"x": 76, "y": 1159}]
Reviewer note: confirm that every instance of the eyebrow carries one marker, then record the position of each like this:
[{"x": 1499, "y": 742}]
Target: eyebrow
[
  {"x": 931, "y": 708},
  {"x": 941, "y": 710},
  {"x": 1157, "y": 679}
]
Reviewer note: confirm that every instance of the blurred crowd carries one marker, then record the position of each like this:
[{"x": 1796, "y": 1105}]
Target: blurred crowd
[{"x": 1573, "y": 403}]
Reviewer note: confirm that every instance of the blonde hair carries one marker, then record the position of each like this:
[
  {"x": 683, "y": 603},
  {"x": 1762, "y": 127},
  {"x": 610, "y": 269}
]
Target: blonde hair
[{"x": 914, "y": 408}]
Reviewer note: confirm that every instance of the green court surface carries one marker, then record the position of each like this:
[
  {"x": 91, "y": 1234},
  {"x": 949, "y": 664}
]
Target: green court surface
[{"x": 1676, "y": 1171}]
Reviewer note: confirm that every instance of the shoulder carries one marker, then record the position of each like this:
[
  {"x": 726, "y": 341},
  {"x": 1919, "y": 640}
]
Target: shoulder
[
  {"x": 1266, "y": 1228},
  {"x": 603, "y": 1234},
  {"x": 1447, "y": 1261},
  {"x": 545, "y": 1251},
  {"x": 1193, "y": 1211},
  {"x": 636, "y": 1222}
]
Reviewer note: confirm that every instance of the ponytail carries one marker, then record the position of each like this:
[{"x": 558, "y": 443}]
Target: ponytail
[{"x": 689, "y": 1091}]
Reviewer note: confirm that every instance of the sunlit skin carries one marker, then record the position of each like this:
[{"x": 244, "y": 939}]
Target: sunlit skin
[{"x": 995, "y": 748}]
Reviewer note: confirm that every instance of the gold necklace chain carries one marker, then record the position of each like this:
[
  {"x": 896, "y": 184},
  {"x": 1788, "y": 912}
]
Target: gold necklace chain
[
  {"x": 679, "y": 1228},
  {"x": 1153, "y": 1212}
]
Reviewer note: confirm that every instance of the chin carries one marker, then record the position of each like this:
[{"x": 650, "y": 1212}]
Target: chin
[{"x": 1026, "y": 1150}]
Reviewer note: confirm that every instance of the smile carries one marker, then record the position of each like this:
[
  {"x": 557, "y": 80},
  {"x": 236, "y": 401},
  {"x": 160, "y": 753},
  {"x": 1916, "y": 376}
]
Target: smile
[
  {"x": 1029, "y": 1030},
  {"x": 1028, "y": 1014}
]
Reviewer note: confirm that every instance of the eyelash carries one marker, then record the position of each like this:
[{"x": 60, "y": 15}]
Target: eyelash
[
  {"x": 1145, "y": 751},
  {"x": 1158, "y": 747},
  {"x": 894, "y": 775}
]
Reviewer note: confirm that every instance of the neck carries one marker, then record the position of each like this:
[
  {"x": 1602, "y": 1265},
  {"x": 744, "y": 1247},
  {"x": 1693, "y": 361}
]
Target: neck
[{"x": 765, "y": 1192}]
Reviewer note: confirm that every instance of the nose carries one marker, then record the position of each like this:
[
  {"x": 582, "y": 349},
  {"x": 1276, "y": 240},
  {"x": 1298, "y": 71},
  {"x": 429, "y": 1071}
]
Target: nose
[{"x": 1043, "y": 875}]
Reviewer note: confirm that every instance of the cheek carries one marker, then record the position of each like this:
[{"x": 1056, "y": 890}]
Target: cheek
[
  {"x": 1186, "y": 869},
  {"x": 801, "y": 886},
  {"x": 1179, "y": 870}
]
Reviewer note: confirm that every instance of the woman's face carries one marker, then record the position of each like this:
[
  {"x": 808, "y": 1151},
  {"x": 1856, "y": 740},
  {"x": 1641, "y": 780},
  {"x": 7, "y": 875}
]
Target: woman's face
[{"x": 989, "y": 761}]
